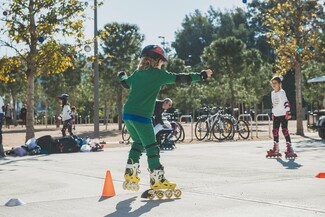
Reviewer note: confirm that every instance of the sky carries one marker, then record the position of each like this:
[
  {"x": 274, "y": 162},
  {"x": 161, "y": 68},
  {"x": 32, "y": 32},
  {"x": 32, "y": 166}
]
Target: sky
[{"x": 153, "y": 17}]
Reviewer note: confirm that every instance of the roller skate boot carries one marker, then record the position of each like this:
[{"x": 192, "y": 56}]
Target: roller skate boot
[
  {"x": 160, "y": 186},
  {"x": 274, "y": 152},
  {"x": 131, "y": 176},
  {"x": 290, "y": 154}
]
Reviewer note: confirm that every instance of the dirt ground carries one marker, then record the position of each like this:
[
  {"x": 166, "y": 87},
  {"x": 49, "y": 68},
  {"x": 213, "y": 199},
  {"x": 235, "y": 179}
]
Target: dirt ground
[{"x": 16, "y": 135}]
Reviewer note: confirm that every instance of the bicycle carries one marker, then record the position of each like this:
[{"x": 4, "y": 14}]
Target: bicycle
[
  {"x": 125, "y": 135},
  {"x": 178, "y": 133},
  {"x": 214, "y": 125},
  {"x": 238, "y": 126}
]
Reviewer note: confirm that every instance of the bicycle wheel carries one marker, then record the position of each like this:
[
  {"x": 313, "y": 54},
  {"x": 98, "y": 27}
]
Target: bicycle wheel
[
  {"x": 177, "y": 132},
  {"x": 182, "y": 132},
  {"x": 243, "y": 129},
  {"x": 222, "y": 129},
  {"x": 201, "y": 129},
  {"x": 125, "y": 134}
]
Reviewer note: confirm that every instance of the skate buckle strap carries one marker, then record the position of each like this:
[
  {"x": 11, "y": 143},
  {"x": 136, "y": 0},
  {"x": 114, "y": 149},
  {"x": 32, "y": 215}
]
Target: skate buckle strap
[
  {"x": 137, "y": 150},
  {"x": 131, "y": 166},
  {"x": 154, "y": 156},
  {"x": 151, "y": 145}
]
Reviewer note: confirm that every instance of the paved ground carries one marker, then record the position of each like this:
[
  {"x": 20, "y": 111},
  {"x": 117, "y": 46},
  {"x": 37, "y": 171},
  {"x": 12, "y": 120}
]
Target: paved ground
[{"x": 216, "y": 178}]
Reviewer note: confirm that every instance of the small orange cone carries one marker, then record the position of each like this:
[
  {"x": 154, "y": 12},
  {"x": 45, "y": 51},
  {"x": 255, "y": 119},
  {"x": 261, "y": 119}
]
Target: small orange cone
[
  {"x": 108, "y": 189},
  {"x": 320, "y": 175}
]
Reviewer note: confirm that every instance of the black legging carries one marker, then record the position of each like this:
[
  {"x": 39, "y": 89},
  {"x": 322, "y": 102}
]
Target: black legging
[{"x": 284, "y": 125}]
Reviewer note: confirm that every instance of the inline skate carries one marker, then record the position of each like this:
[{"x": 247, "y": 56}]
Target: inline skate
[
  {"x": 131, "y": 176},
  {"x": 274, "y": 152},
  {"x": 290, "y": 154},
  {"x": 160, "y": 186}
]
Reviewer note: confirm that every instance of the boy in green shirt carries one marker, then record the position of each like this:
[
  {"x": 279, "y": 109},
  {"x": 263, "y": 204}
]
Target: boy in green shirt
[{"x": 145, "y": 84}]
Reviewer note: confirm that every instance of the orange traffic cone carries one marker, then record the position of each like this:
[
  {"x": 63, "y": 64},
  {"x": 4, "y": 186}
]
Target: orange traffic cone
[
  {"x": 320, "y": 175},
  {"x": 108, "y": 189}
]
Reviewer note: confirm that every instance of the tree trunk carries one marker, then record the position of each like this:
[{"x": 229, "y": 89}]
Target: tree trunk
[
  {"x": 46, "y": 113},
  {"x": 119, "y": 107},
  {"x": 30, "y": 132},
  {"x": 299, "y": 110},
  {"x": 14, "y": 110},
  {"x": 31, "y": 73},
  {"x": 232, "y": 93}
]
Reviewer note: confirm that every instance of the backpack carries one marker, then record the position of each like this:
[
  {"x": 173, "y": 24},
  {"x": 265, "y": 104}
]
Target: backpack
[
  {"x": 67, "y": 145},
  {"x": 47, "y": 144}
]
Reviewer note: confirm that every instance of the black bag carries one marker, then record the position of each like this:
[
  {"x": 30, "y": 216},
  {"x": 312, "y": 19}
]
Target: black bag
[
  {"x": 68, "y": 145},
  {"x": 47, "y": 144}
]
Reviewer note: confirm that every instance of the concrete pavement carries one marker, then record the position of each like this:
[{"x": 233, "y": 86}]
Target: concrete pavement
[{"x": 217, "y": 179}]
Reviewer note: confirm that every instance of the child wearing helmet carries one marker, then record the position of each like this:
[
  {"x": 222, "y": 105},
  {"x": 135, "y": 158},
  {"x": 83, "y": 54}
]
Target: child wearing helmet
[
  {"x": 66, "y": 115},
  {"x": 144, "y": 84},
  {"x": 280, "y": 116}
]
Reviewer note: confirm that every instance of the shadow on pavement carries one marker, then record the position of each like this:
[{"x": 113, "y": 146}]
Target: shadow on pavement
[
  {"x": 124, "y": 208},
  {"x": 291, "y": 164}
]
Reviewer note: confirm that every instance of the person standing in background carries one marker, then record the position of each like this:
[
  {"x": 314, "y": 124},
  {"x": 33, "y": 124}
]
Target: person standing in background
[
  {"x": 8, "y": 115},
  {"x": 2, "y": 153},
  {"x": 23, "y": 113}
]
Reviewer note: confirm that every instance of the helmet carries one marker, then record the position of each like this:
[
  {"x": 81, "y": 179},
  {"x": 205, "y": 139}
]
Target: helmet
[
  {"x": 154, "y": 51},
  {"x": 64, "y": 96}
]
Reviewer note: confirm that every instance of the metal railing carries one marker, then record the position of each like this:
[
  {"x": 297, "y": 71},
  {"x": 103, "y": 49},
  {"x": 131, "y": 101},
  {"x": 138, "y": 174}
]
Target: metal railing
[
  {"x": 269, "y": 122},
  {"x": 191, "y": 118}
]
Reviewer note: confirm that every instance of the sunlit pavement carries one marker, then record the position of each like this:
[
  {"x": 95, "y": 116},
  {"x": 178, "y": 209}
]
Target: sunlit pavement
[{"x": 217, "y": 179}]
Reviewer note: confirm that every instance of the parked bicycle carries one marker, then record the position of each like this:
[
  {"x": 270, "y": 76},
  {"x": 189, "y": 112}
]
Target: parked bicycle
[
  {"x": 215, "y": 125},
  {"x": 178, "y": 133},
  {"x": 125, "y": 135},
  {"x": 238, "y": 126}
]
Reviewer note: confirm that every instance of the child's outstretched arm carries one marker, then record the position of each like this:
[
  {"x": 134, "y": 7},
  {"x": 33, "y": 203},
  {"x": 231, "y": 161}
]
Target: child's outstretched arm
[
  {"x": 123, "y": 79},
  {"x": 183, "y": 78}
]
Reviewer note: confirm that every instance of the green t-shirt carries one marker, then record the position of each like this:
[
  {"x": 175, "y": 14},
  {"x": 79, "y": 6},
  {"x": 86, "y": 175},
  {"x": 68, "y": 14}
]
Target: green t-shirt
[{"x": 145, "y": 86}]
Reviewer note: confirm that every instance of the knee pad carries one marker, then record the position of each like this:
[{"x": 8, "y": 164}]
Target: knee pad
[
  {"x": 275, "y": 132},
  {"x": 137, "y": 147},
  {"x": 285, "y": 131},
  {"x": 153, "y": 150}
]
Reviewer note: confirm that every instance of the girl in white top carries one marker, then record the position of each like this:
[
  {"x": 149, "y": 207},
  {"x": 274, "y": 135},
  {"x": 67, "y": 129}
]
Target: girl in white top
[
  {"x": 280, "y": 115},
  {"x": 66, "y": 115}
]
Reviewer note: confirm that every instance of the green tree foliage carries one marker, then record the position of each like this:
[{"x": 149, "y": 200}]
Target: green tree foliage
[
  {"x": 32, "y": 28},
  {"x": 226, "y": 58},
  {"x": 239, "y": 73},
  {"x": 121, "y": 44},
  {"x": 14, "y": 83},
  {"x": 313, "y": 93},
  {"x": 293, "y": 31},
  {"x": 197, "y": 33}
]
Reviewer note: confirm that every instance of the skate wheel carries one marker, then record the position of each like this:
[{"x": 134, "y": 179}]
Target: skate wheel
[
  {"x": 151, "y": 194},
  {"x": 134, "y": 187},
  {"x": 168, "y": 194},
  {"x": 160, "y": 194},
  {"x": 131, "y": 187},
  {"x": 125, "y": 185},
  {"x": 178, "y": 193}
]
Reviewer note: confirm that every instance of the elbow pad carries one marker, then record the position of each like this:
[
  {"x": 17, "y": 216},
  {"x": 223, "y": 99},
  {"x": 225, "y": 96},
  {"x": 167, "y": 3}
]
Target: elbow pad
[
  {"x": 203, "y": 75},
  {"x": 183, "y": 79},
  {"x": 124, "y": 84},
  {"x": 122, "y": 77},
  {"x": 287, "y": 105}
]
